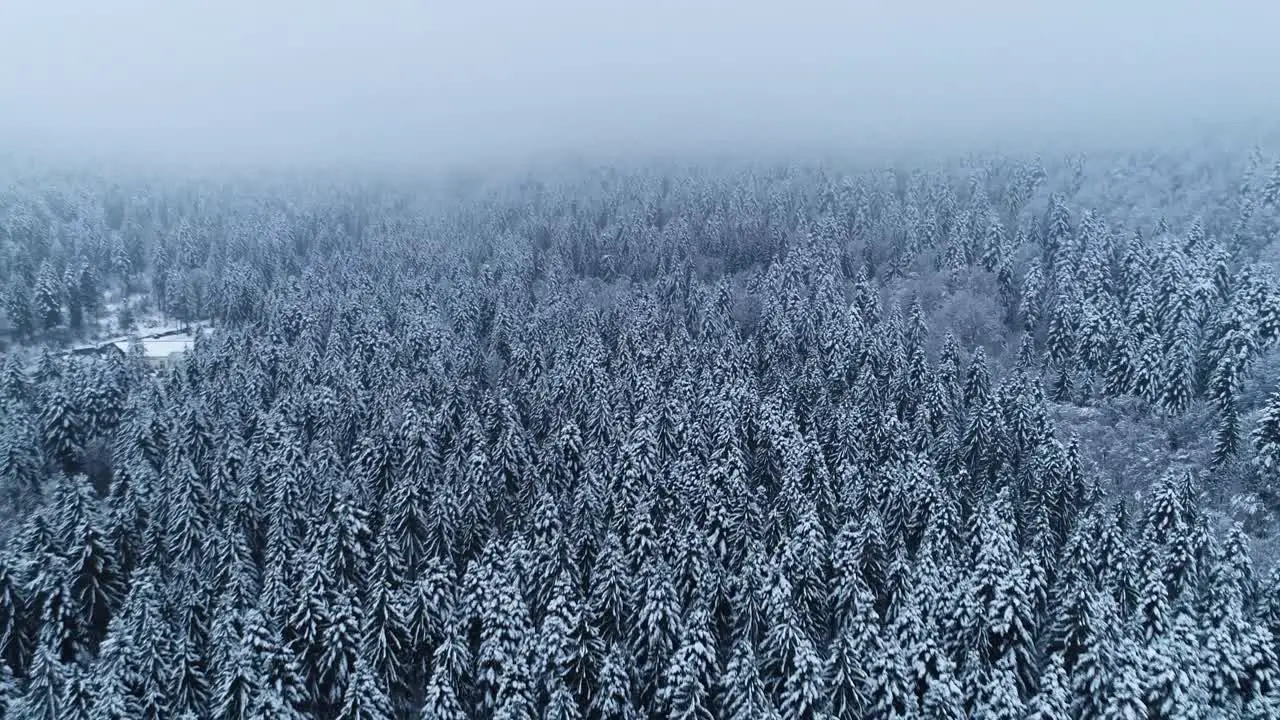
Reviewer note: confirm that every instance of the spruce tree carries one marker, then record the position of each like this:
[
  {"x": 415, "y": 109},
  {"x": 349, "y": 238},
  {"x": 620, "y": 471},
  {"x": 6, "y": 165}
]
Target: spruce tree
[
  {"x": 19, "y": 305},
  {"x": 744, "y": 695},
  {"x": 1266, "y": 437},
  {"x": 48, "y": 297},
  {"x": 44, "y": 691}
]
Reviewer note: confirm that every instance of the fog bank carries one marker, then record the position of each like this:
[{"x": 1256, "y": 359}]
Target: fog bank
[{"x": 395, "y": 81}]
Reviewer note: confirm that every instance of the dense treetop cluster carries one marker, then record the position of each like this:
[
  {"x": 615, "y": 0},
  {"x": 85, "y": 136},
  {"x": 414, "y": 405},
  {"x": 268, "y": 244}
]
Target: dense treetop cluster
[{"x": 689, "y": 442}]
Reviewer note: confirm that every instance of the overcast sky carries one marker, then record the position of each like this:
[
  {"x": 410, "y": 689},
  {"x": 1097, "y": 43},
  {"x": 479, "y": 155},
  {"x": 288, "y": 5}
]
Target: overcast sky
[{"x": 376, "y": 80}]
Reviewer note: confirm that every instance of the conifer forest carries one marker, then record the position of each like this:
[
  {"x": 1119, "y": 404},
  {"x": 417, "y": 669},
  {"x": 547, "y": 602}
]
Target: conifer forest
[{"x": 991, "y": 437}]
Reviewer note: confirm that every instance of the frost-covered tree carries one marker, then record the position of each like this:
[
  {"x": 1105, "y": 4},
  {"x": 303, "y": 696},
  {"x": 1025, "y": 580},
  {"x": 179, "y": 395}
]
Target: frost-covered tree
[
  {"x": 48, "y": 297},
  {"x": 44, "y": 691},
  {"x": 744, "y": 695},
  {"x": 1266, "y": 437}
]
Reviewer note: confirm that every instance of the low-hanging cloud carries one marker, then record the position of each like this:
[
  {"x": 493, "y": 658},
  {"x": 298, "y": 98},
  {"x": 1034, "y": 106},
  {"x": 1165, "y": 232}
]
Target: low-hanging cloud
[{"x": 416, "y": 82}]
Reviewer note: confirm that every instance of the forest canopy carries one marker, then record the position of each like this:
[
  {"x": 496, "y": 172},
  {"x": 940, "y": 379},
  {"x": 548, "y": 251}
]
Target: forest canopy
[{"x": 992, "y": 437}]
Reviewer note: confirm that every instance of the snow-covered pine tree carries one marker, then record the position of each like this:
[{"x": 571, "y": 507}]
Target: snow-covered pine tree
[
  {"x": 1266, "y": 437},
  {"x": 44, "y": 690},
  {"x": 654, "y": 637},
  {"x": 1270, "y": 193},
  {"x": 49, "y": 297},
  {"x": 612, "y": 698},
  {"x": 743, "y": 693},
  {"x": 364, "y": 697},
  {"x": 688, "y": 682}
]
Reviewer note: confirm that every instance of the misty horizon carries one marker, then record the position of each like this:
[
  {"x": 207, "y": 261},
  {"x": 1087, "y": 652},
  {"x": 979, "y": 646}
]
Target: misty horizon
[{"x": 391, "y": 82}]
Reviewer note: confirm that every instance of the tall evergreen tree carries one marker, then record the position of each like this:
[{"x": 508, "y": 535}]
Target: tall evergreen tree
[
  {"x": 1266, "y": 437},
  {"x": 48, "y": 297}
]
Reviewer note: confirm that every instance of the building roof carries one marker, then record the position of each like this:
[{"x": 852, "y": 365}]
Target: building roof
[
  {"x": 156, "y": 344},
  {"x": 160, "y": 347}
]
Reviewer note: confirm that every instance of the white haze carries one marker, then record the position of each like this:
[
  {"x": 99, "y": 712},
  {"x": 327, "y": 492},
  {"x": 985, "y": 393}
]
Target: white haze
[{"x": 415, "y": 83}]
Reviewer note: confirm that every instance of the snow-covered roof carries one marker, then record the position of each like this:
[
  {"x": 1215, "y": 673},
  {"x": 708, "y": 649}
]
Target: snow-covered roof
[
  {"x": 160, "y": 347},
  {"x": 173, "y": 339}
]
